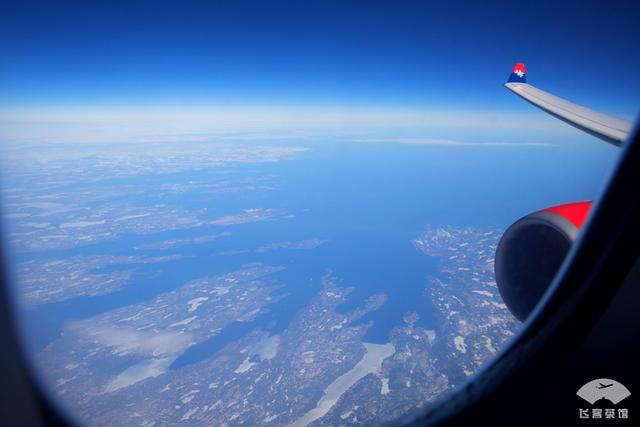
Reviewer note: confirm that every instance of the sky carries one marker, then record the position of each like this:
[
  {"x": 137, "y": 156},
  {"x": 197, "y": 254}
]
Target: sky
[{"x": 324, "y": 62}]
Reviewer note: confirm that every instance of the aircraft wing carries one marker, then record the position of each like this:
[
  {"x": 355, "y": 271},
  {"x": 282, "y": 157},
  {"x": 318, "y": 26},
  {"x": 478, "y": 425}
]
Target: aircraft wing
[{"x": 607, "y": 128}]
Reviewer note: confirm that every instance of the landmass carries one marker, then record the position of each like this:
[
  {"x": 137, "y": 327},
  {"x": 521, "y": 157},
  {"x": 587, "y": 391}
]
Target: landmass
[
  {"x": 176, "y": 243},
  {"x": 318, "y": 371},
  {"x": 59, "y": 197},
  {"x": 44, "y": 281},
  {"x": 122, "y": 347}
]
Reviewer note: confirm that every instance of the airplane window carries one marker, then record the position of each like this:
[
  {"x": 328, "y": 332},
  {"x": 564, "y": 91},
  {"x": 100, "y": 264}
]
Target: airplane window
[{"x": 279, "y": 215}]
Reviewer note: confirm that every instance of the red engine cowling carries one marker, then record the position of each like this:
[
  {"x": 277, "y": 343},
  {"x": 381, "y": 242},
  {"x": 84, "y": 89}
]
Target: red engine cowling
[{"x": 531, "y": 251}]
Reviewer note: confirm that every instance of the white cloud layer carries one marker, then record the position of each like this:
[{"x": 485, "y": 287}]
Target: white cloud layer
[{"x": 136, "y": 124}]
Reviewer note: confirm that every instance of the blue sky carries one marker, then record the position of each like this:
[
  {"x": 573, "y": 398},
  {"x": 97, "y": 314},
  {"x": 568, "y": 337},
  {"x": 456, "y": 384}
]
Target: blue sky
[{"x": 439, "y": 56}]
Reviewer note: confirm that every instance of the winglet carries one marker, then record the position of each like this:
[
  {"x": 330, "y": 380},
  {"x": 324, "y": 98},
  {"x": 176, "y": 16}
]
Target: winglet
[{"x": 518, "y": 74}]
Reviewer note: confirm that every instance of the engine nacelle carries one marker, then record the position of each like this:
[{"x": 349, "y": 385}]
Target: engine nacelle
[{"x": 531, "y": 251}]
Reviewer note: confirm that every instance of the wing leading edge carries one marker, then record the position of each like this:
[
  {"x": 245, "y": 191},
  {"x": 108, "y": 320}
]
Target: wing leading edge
[{"x": 607, "y": 128}]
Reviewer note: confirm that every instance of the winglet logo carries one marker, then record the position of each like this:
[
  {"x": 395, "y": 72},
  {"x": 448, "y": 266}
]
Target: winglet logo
[
  {"x": 518, "y": 75},
  {"x": 607, "y": 390}
]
